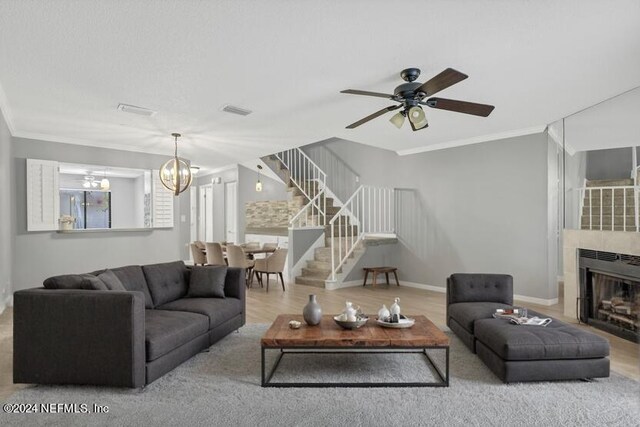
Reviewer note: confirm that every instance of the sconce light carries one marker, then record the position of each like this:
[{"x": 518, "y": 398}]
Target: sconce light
[
  {"x": 105, "y": 185},
  {"x": 258, "y": 183}
]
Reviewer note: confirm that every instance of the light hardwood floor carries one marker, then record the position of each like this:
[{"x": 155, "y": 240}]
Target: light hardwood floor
[{"x": 263, "y": 307}]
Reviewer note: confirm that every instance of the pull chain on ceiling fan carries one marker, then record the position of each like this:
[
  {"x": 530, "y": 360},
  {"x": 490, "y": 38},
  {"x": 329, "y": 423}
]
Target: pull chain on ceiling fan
[{"x": 411, "y": 96}]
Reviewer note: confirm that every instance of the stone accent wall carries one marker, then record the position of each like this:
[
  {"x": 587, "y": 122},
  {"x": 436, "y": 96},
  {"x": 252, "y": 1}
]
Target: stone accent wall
[
  {"x": 272, "y": 213},
  {"x": 267, "y": 214}
]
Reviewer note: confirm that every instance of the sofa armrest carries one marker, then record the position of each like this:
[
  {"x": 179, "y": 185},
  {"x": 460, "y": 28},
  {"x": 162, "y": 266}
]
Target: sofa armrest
[
  {"x": 234, "y": 283},
  {"x": 78, "y": 336}
]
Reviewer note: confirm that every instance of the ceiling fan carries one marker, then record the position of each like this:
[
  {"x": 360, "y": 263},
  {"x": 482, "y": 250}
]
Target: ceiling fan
[{"x": 411, "y": 95}]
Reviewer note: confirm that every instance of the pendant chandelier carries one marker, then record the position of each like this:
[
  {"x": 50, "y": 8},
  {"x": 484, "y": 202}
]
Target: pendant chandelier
[{"x": 175, "y": 174}]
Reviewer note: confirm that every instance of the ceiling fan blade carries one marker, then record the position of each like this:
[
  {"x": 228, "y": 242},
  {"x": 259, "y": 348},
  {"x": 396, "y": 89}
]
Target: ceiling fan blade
[
  {"x": 447, "y": 78},
  {"x": 373, "y": 116},
  {"x": 367, "y": 93},
  {"x": 460, "y": 106}
]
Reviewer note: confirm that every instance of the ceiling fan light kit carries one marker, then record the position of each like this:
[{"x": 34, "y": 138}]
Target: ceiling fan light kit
[
  {"x": 411, "y": 96},
  {"x": 398, "y": 119}
]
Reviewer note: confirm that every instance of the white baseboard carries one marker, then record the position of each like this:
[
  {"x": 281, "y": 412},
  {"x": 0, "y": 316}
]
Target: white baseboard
[
  {"x": 534, "y": 300},
  {"x": 442, "y": 289},
  {"x": 349, "y": 284}
]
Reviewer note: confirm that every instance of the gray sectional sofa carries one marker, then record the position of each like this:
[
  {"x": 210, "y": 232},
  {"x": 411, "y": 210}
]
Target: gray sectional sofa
[
  {"x": 517, "y": 353},
  {"x": 124, "y": 332}
]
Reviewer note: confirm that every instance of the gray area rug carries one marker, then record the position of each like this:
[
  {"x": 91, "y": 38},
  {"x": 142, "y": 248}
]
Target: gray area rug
[{"x": 222, "y": 387}]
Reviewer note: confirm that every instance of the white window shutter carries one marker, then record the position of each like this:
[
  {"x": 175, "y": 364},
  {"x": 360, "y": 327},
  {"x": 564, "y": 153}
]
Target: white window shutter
[
  {"x": 162, "y": 203},
  {"x": 43, "y": 195}
]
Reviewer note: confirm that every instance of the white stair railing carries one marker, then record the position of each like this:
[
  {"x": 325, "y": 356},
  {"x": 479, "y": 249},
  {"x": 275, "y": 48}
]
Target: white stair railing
[
  {"x": 312, "y": 182},
  {"x": 599, "y": 210},
  {"x": 370, "y": 210}
]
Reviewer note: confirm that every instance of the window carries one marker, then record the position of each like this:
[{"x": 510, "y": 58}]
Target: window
[{"x": 91, "y": 209}]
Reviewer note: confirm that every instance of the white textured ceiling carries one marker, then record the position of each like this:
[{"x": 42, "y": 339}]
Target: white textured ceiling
[
  {"x": 613, "y": 123},
  {"x": 66, "y": 65}
]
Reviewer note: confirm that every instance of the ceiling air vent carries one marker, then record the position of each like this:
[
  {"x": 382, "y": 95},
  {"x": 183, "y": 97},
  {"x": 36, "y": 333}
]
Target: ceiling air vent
[
  {"x": 236, "y": 110},
  {"x": 136, "y": 110}
]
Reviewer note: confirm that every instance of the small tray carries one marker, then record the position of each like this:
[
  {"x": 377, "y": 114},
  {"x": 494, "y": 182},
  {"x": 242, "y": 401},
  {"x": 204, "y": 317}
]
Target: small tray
[{"x": 404, "y": 323}]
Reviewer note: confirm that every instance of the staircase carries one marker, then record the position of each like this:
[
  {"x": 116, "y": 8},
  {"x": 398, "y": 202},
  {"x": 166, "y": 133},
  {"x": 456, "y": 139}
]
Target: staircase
[
  {"x": 609, "y": 205},
  {"x": 310, "y": 207}
]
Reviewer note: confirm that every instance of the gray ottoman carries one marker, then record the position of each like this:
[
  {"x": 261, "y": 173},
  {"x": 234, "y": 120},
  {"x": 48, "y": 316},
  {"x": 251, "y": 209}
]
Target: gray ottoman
[
  {"x": 517, "y": 353},
  {"x": 534, "y": 353}
]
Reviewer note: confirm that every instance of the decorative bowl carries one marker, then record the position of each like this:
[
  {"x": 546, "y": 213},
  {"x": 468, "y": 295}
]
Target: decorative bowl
[{"x": 350, "y": 325}]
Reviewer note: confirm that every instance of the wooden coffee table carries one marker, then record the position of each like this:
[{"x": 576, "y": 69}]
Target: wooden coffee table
[{"x": 329, "y": 338}]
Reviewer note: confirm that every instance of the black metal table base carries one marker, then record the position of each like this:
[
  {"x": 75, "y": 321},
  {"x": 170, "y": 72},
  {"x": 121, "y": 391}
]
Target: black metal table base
[{"x": 443, "y": 377}]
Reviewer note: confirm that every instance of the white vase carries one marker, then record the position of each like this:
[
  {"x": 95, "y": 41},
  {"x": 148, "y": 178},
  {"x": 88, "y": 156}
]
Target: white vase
[
  {"x": 394, "y": 310},
  {"x": 383, "y": 313},
  {"x": 351, "y": 312}
]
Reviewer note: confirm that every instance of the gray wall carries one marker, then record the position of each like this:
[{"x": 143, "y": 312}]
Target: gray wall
[
  {"x": 271, "y": 190},
  {"x": 5, "y": 214},
  {"x": 614, "y": 163},
  {"x": 300, "y": 240},
  {"x": 39, "y": 255},
  {"x": 477, "y": 208}
]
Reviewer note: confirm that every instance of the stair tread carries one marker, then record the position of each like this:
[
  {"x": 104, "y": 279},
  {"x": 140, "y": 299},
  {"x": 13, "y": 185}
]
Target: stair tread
[
  {"x": 311, "y": 281},
  {"x": 609, "y": 182}
]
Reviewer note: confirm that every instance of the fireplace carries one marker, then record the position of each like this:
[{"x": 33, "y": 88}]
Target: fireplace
[{"x": 609, "y": 295}]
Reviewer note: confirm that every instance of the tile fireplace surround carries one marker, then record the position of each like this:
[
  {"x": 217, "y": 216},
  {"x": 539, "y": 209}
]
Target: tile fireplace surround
[{"x": 608, "y": 241}]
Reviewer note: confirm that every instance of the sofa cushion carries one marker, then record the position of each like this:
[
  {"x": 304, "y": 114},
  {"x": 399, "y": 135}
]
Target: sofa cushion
[
  {"x": 132, "y": 278},
  {"x": 466, "y": 313},
  {"x": 557, "y": 340},
  {"x": 480, "y": 288},
  {"x": 217, "y": 309},
  {"x": 167, "y": 281},
  {"x": 112, "y": 281},
  {"x": 207, "y": 282},
  {"x": 168, "y": 330}
]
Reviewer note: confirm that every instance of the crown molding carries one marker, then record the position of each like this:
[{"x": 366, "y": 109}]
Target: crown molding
[
  {"x": 6, "y": 112},
  {"x": 474, "y": 140}
]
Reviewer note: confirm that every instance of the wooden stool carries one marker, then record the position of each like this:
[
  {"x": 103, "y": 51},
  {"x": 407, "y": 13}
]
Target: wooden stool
[{"x": 379, "y": 270}]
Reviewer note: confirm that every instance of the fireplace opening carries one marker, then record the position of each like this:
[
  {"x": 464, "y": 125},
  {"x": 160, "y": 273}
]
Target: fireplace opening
[{"x": 610, "y": 293}]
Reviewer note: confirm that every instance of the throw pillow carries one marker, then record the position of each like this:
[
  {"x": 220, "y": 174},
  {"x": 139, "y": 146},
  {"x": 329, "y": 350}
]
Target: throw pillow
[
  {"x": 111, "y": 280},
  {"x": 93, "y": 283},
  {"x": 66, "y": 281},
  {"x": 207, "y": 282}
]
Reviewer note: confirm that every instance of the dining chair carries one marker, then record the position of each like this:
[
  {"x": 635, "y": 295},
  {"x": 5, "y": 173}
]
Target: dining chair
[
  {"x": 200, "y": 245},
  {"x": 214, "y": 254},
  {"x": 237, "y": 258},
  {"x": 273, "y": 264},
  {"x": 199, "y": 257},
  {"x": 251, "y": 245}
]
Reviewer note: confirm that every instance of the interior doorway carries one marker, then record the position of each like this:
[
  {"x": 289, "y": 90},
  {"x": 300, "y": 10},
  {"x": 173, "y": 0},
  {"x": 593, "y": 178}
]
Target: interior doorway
[
  {"x": 205, "y": 229},
  {"x": 231, "y": 211}
]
